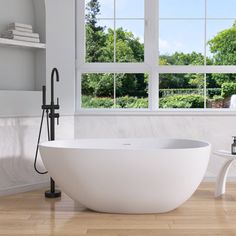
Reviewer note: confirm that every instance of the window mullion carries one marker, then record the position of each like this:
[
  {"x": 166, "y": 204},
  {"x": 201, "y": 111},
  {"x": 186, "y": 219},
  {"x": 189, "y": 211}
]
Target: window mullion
[
  {"x": 114, "y": 2},
  {"x": 80, "y": 33},
  {"x": 205, "y": 56},
  {"x": 151, "y": 49}
]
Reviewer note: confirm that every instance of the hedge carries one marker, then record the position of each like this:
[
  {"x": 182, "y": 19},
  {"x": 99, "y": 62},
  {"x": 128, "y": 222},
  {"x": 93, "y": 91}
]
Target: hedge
[
  {"x": 121, "y": 102},
  {"x": 210, "y": 92},
  {"x": 175, "y": 101},
  {"x": 182, "y": 101},
  {"x": 131, "y": 102}
]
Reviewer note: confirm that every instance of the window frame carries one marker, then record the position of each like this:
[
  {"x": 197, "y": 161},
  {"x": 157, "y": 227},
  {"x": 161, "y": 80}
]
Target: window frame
[{"x": 150, "y": 66}]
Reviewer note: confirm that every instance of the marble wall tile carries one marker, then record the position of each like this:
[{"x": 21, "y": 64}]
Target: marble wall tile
[{"x": 18, "y": 139}]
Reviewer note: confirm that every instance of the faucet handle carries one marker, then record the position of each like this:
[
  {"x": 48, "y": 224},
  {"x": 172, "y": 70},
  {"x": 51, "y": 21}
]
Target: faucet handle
[
  {"x": 44, "y": 95},
  {"x": 58, "y": 101}
]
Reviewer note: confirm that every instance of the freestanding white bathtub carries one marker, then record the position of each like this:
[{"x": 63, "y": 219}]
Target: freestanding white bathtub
[{"x": 133, "y": 176}]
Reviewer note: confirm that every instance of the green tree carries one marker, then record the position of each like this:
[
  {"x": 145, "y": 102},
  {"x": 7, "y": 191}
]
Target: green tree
[
  {"x": 100, "y": 48},
  {"x": 180, "y": 58},
  {"x": 223, "y": 48},
  {"x": 196, "y": 80},
  {"x": 95, "y": 36}
]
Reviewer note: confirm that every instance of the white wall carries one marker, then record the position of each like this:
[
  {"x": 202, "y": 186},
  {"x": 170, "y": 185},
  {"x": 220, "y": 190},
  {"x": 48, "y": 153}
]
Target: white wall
[
  {"x": 216, "y": 129},
  {"x": 60, "y": 31},
  {"x": 18, "y": 136}
]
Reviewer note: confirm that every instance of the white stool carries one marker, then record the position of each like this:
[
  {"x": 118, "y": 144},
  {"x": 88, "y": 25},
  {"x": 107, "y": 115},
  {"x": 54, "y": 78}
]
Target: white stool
[{"x": 222, "y": 177}]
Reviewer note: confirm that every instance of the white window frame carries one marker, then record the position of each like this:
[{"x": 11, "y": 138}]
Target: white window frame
[{"x": 151, "y": 42}]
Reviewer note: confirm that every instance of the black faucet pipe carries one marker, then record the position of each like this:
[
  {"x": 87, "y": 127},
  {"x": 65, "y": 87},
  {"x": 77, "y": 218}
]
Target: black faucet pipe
[{"x": 54, "y": 72}]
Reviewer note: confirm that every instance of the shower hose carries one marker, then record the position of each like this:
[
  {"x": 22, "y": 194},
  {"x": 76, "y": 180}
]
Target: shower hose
[{"x": 39, "y": 137}]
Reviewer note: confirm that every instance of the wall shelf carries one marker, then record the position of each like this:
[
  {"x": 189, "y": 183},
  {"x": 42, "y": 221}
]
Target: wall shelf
[
  {"x": 16, "y": 43},
  {"x": 22, "y": 64}
]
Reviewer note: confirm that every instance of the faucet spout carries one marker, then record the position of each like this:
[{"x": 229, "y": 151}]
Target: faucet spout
[{"x": 54, "y": 72}]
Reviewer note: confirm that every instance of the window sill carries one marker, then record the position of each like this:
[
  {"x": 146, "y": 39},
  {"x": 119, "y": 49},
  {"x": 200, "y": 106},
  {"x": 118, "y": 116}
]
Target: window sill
[{"x": 146, "y": 112}]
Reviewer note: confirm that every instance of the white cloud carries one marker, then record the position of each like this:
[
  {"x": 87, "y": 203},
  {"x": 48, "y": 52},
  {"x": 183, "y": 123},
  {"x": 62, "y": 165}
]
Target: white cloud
[
  {"x": 164, "y": 45},
  {"x": 170, "y": 47}
]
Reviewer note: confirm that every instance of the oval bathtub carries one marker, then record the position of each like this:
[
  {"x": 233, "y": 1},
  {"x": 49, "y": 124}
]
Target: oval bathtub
[{"x": 132, "y": 176}]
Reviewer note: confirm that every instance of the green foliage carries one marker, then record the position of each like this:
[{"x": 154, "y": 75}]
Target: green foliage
[
  {"x": 121, "y": 102},
  {"x": 94, "y": 102},
  {"x": 182, "y": 101},
  {"x": 128, "y": 47},
  {"x": 98, "y": 85},
  {"x": 131, "y": 102},
  {"x": 196, "y": 80},
  {"x": 181, "y": 81},
  {"x": 180, "y": 58},
  {"x": 223, "y": 47},
  {"x": 100, "y": 48},
  {"x": 228, "y": 89},
  {"x": 171, "y": 92},
  {"x": 102, "y": 85},
  {"x": 218, "y": 98},
  {"x": 131, "y": 85},
  {"x": 100, "y": 43},
  {"x": 95, "y": 35},
  {"x": 223, "y": 78},
  {"x": 211, "y": 92},
  {"x": 93, "y": 10},
  {"x": 171, "y": 81},
  {"x": 211, "y": 82}
]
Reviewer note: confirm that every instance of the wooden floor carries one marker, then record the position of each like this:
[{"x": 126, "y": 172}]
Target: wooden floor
[{"x": 31, "y": 214}]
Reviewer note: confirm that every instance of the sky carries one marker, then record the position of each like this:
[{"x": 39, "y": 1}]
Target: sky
[{"x": 183, "y": 35}]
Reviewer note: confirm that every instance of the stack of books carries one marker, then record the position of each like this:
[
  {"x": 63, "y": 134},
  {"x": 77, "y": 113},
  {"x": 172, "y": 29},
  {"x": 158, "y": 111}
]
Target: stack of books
[{"x": 21, "y": 32}]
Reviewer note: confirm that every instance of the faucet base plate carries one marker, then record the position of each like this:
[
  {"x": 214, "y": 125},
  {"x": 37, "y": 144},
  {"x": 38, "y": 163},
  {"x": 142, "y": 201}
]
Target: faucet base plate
[{"x": 55, "y": 194}]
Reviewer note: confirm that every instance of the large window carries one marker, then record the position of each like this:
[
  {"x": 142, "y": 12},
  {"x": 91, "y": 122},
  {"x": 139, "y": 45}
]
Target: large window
[{"x": 156, "y": 55}]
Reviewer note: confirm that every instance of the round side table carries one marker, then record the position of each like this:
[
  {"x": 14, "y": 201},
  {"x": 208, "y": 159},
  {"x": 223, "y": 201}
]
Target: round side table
[{"x": 222, "y": 176}]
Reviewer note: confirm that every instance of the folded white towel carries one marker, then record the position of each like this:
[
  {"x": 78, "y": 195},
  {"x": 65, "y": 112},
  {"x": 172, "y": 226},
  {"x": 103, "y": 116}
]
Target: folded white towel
[
  {"x": 20, "y": 29},
  {"x": 21, "y": 33},
  {"x": 20, "y": 38},
  {"x": 16, "y": 24}
]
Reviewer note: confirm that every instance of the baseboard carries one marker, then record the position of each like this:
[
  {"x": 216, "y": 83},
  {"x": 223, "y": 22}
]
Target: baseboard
[{"x": 23, "y": 188}]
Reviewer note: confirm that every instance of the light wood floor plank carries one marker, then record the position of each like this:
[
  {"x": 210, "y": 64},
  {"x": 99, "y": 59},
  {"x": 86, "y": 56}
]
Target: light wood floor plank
[{"x": 32, "y": 214}]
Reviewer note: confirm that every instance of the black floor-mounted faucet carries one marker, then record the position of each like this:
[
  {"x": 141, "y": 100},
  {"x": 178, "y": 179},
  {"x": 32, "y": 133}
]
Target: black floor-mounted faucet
[{"x": 51, "y": 115}]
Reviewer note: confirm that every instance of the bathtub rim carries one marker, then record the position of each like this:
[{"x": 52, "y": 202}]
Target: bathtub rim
[{"x": 48, "y": 144}]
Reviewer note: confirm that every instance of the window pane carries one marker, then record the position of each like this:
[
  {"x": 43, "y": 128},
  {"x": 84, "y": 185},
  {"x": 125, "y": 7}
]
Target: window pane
[
  {"x": 100, "y": 41},
  {"x": 182, "y": 8},
  {"x": 179, "y": 44},
  {"x": 97, "y": 91},
  {"x": 105, "y": 7},
  {"x": 221, "y": 91},
  {"x": 221, "y": 9},
  {"x": 181, "y": 90},
  {"x": 130, "y": 8},
  {"x": 221, "y": 47},
  {"x": 131, "y": 91},
  {"x": 130, "y": 41}
]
